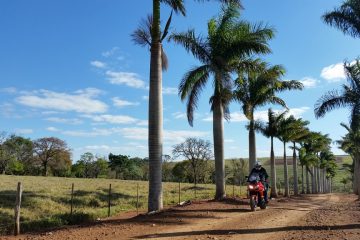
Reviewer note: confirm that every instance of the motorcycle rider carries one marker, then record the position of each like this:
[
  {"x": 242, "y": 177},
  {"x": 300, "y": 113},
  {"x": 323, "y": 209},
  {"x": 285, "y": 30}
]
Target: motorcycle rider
[{"x": 264, "y": 177}]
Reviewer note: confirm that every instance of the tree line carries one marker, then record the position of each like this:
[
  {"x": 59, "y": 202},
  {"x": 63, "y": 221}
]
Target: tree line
[{"x": 50, "y": 156}]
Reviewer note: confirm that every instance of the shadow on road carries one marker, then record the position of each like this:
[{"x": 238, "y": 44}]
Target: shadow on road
[{"x": 247, "y": 231}]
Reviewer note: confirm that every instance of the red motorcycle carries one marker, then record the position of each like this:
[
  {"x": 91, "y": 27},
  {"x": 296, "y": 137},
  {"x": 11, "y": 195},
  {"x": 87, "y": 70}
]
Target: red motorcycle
[{"x": 256, "y": 191}]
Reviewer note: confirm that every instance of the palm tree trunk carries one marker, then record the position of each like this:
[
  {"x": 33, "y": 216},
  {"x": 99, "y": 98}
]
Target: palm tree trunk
[
  {"x": 155, "y": 201},
  {"x": 318, "y": 180},
  {"x": 313, "y": 180},
  {"x": 218, "y": 133},
  {"x": 302, "y": 180},
  {"x": 356, "y": 175},
  {"x": 286, "y": 178},
  {"x": 307, "y": 181},
  {"x": 252, "y": 145},
  {"x": 273, "y": 171},
  {"x": 296, "y": 188}
]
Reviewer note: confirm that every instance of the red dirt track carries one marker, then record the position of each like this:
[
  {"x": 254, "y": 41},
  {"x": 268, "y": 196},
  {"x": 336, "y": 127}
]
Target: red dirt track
[{"x": 326, "y": 216}]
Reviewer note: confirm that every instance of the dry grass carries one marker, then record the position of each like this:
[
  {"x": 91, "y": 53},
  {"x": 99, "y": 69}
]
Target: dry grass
[{"x": 46, "y": 201}]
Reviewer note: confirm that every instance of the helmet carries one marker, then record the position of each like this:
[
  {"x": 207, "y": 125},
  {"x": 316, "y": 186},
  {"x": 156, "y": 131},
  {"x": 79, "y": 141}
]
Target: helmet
[{"x": 258, "y": 164}]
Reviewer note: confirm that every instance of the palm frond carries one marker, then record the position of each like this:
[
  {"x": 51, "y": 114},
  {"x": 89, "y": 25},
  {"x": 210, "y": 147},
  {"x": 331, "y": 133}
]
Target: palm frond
[
  {"x": 195, "y": 45},
  {"x": 176, "y": 5},
  {"x": 142, "y": 35},
  {"x": 346, "y": 18},
  {"x": 328, "y": 102},
  {"x": 190, "y": 87}
]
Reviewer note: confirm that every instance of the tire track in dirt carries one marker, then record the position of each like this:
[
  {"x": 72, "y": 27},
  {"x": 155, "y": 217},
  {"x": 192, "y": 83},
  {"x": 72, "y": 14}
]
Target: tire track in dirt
[{"x": 271, "y": 223}]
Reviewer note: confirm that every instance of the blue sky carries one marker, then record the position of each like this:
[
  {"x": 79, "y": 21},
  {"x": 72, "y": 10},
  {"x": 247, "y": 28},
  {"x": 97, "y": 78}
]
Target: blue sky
[{"x": 69, "y": 69}]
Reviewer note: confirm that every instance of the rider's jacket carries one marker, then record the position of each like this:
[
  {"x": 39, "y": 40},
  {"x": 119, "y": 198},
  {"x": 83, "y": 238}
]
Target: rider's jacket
[{"x": 262, "y": 173}]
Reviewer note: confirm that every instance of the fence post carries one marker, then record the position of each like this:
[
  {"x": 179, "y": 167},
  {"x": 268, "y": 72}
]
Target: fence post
[
  {"x": 17, "y": 209},
  {"x": 109, "y": 203},
  {"x": 195, "y": 190},
  {"x": 233, "y": 187},
  {"x": 137, "y": 199},
  {"x": 179, "y": 193},
  {"x": 72, "y": 198}
]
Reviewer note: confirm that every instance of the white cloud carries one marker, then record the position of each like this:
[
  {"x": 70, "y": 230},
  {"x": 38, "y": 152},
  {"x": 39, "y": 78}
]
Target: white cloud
[
  {"x": 73, "y": 121},
  {"x": 123, "y": 103},
  {"x": 110, "y": 52},
  {"x": 52, "y": 129},
  {"x": 333, "y": 73},
  {"x": 143, "y": 123},
  {"x": 146, "y": 98},
  {"x": 98, "y": 64},
  {"x": 170, "y": 91},
  {"x": 180, "y": 136},
  {"x": 179, "y": 115},
  {"x": 135, "y": 133},
  {"x": 125, "y": 78},
  {"x": 23, "y": 131},
  {"x": 97, "y": 147},
  {"x": 91, "y": 133},
  {"x": 309, "y": 82},
  {"x": 10, "y": 90},
  {"x": 114, "y": 119},
  {"x": 298, "y": 112},
  {"x": 229, "y": 141},
  {"x": 172, "y": 136},
  {"x": 82, "y": 101}
]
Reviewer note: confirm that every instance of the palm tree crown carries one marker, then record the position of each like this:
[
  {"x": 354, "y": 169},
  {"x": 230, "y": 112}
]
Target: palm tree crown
[
  {"x": 346, "y": 18},
  {"x": 348, "y": 97},
  {"x": 229, "y": 41}
]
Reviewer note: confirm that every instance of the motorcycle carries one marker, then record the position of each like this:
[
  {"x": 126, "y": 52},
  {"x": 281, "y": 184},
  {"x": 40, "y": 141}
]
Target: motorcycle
[{"x": 256, "y": 191}]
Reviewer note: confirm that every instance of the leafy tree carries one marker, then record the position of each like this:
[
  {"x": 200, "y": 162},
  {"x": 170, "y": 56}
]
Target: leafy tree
[
  {"x": 101, "y": 166},
  {"x": 61, "y": 165},
  {"x": 197, "y": 152},
  {"x": 182, "y": 171},
  {"x": 166, "y": 168},
  {"x": 229, "y": 42},
  {"x": 256, "y": 88},
  {"x": 48, "y": 150},
  {"x": 239, "y": 170},
  {"x": 118, "y": 163},
  {"x": 88, "y": 160}
]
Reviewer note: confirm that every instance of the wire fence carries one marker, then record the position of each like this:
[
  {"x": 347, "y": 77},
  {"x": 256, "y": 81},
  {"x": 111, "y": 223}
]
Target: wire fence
[{"x": 74, "y": 203}]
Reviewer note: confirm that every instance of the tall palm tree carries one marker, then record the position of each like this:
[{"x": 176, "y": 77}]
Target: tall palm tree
[
  {"x": 286, "y": 127},
  {"x": 297, "y": 134},
  {"x": 256, "y": 88},
  {"x": 271, "y": 130},
  {"x": 346, "y": 18},
  {"x": 154, "y": 38},
  {"x": 350, "y": 144},
  {"x": 348, "y": 97},
  {"x": 228, "y": 42}
]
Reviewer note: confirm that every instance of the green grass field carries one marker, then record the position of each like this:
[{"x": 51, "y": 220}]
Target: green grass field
[{"x": 46, "y": 201}]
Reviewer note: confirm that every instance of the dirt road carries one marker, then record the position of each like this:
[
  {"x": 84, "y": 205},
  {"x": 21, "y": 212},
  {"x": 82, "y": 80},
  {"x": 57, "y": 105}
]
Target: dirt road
[{"x": 328, "y": 216}]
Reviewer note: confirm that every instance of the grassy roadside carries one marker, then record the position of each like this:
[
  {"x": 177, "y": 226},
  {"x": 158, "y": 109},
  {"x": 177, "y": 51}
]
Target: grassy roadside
[{"x": 46, "y": 200}]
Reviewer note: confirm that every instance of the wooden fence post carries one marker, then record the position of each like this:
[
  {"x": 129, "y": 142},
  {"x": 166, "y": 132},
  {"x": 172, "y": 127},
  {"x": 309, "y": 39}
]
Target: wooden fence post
[
  {"x": 233, "y": 187},
  {"x": 179, "y": 193},
  {"x": 137, "y": 199},
  {"x": 72, "y": 198},
  {"x": 17, "y": 209},
  {"x": 109, "y": 203}
]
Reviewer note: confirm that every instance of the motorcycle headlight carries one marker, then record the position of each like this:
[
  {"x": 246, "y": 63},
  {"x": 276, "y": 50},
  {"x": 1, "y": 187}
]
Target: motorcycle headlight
[{"x": 251, "y": 187}]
